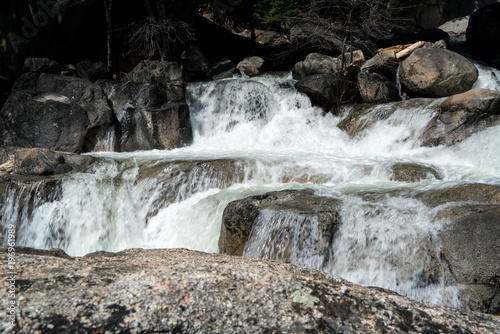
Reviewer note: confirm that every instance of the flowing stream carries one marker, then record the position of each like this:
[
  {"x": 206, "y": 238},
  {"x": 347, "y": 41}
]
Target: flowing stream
[{"x": 253, "y": 136}]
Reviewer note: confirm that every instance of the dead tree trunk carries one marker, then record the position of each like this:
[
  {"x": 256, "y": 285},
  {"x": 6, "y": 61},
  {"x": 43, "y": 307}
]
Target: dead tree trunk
[{"x": 108, "y": 5}]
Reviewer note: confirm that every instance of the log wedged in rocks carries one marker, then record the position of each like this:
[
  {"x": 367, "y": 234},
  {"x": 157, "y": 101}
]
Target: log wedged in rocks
[{"x": 178, "y": 290}]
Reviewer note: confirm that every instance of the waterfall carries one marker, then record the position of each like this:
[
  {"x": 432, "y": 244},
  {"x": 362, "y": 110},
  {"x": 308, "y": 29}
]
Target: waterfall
[{"x": 253, "y": 136}]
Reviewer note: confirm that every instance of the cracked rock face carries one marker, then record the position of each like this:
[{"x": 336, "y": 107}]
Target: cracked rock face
[{"x": 178, "y": 290}]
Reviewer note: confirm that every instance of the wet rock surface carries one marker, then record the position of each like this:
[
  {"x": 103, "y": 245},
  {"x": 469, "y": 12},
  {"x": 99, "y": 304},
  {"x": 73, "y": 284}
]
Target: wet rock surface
[
  {"x": 184, "y": 291},
  {"x": 241, "y": 217}
]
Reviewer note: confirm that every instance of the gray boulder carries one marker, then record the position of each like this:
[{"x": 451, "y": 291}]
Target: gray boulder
[
  {"x": 45, "y": 120},
  {"x": 384, "y": 63},
  {"x": 315, "y": 63},
  {"x": 92, "y": 71},
  {"x": 435, "y": 72},
  {"x": 251, "y": 66}
]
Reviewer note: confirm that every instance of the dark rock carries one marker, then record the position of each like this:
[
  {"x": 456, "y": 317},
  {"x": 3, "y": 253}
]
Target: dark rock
[
  {"x": 90, "y": 70},
  {"x": 148, "y": 121},
  {"x": 478, "y": 100},
  {"x": 456, "y": 29},
  {"x": 90, "y": 97},
  {"x": 194, "y": 64},
  {"x": 315, "y": 63},
  {"x": 46, "y": 120},
  {"x": 26, "y": 81},
  {"x": 41, "y": 161},
  {"x": 376, "y": 88},
  {"x": 450, "y": 128},
  {"x": 483, "y": 34},
  {"x": 224, "y": 68},
  {"x": 352, "y": 60},
  {"x": 244, "y": 218},
  {"x": 167, "y": 75},
  {"x": 327, "y": 90},
  {"x": 41, "y": 65},
  {"x": 251, "y": 66},
  {"x": 176, "y": 290},
  {"x": 433, "y": 72}
]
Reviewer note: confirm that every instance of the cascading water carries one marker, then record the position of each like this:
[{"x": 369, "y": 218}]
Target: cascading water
[{"x": 253, "y": 136}]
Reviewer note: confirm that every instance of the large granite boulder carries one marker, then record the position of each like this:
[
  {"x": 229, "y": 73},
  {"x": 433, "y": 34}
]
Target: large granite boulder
[
  {"x": 184, "y": 291},
  {"x": 376, "y": 88},
  {"x": 435, "y": 72},
  {"x": 483, "y": 34},
  {"x": 48, "y": 120},
  {"x": 469, "y": 241},
  {"x": 315, "y": 63}
]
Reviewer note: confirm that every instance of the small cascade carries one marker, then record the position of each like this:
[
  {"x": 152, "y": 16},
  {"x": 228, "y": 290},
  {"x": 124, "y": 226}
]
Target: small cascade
[
  {"x": 393, "y": 244},
  {"x": 489, "y": 78},
  {"x": 288, "y": 237},
  {"x": 398, "y": 85}
]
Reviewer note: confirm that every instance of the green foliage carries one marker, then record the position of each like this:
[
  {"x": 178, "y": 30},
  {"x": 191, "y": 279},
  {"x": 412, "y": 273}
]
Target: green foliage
[{"x": 269, "y": 13}]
